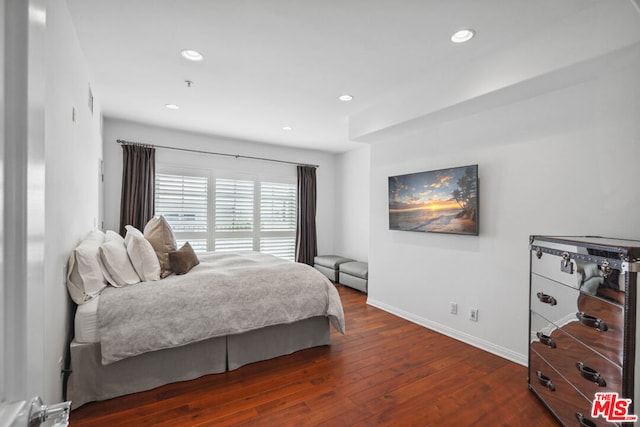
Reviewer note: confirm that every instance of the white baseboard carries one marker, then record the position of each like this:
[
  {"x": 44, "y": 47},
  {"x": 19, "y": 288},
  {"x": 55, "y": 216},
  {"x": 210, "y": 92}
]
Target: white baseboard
[{"x": 521, "y": 359}]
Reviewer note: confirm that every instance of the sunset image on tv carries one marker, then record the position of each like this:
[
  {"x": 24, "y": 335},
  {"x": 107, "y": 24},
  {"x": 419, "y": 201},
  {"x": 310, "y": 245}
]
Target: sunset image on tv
[{"x": 442, "y": 201}]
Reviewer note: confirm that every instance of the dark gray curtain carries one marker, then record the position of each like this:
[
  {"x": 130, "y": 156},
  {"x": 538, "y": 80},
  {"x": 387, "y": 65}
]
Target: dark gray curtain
[
  {"x": 306, "y": 240},
  {"x": 138, "y": 186}
]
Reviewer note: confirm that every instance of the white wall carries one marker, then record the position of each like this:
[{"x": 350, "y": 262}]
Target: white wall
[
  {"x": 3, "y": 323},
  {"x": 23, "y": 198},
  {"x": 352, "y": 203},
  {"x": 115, "y": 129},
  {"x": 565, "y": 163},
  {"x": 564, "y": 52},
  {"x": 72, "y": 157}
]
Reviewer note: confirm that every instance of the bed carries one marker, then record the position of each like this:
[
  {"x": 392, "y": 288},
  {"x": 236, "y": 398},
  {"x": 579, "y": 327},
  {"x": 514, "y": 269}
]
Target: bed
[{"x": 229, "y": 310}]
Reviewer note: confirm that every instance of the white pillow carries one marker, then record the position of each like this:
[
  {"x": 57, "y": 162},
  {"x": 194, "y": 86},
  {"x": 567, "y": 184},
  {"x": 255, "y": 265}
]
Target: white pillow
[
  {"x": 111, "y": 236},
  {"x": 85, "y": 280},
  {"x": 117, "y": 266},
  {"x": 142, "y": 255}
]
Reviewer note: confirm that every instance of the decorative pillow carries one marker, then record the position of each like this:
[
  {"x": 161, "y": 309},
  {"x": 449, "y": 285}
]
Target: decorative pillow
[
  {"x": 159, "y": 233},
  {"x": 184, "y": 259},
  {"x": 142, "y": 255},
  {"x": 117, "y": 266},
  {"x": 111, "y": 236},
  {"x": 85, "y": 280}
]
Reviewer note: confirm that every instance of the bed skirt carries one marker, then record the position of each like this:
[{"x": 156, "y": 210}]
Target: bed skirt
[
  {"x": 91, "y": 381},
  {"x": 278, "y": 340}
]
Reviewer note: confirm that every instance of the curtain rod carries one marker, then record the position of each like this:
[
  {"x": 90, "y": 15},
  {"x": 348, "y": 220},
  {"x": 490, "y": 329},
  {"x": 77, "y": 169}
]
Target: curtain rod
[{"x": 237, "y": 156}]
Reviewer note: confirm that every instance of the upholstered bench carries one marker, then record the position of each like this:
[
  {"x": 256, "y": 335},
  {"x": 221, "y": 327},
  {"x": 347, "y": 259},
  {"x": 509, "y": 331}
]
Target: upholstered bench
[
  {"x": 355, "y": 275},
  {"x": 329, "y": 265}
]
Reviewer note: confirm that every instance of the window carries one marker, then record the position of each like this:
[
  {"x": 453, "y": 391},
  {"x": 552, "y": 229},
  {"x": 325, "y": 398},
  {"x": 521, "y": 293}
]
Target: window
[
  {"x": 278, "y": 219},
  {"x": 234, "y": 205},
  {"x": 243, "y": 204},
  {"x": 234, "y": 215},
  {"x": 183, "y": 201},
  {"x": 230, "y": 215},
  {"x": 277, "y": 206}
]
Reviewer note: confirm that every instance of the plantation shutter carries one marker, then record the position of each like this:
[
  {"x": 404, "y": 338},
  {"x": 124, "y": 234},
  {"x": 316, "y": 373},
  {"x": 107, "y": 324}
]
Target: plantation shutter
[
  {"x": 234, "y": 214},
  {"x": 242, "y": 214},
  {"x": 284, "y": 247},
  {"x": 278, "y": 219},
  {"x": 277, "y": 206},
  {"x": 183, "y": 201}
]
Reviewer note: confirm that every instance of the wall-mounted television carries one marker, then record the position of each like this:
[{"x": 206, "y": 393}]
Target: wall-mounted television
[{"x": 438, "y": 201}]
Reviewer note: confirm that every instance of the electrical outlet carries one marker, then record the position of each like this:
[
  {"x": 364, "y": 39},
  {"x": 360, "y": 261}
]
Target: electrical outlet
[
  {"x": 473, "y": 314},
  {"x": 453, "y": 308}
]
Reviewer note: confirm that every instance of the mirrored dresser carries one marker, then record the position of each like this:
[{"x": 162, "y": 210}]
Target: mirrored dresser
[{"x": 582, "y": 325}]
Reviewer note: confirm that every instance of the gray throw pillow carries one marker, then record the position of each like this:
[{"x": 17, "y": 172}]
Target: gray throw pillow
[{"x": 183, "y": 260}]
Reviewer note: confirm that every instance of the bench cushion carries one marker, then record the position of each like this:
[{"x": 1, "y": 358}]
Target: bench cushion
[
  {"x": 330, "y": 261},
  {"x": 357, "y": 269}
]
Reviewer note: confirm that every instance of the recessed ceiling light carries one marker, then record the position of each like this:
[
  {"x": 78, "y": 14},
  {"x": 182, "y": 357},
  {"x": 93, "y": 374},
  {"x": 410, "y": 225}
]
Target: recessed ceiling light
[
  {"x": 463, "y": 35},
  {"x": 345, "y": 97},
  {"x": 287, "y": 128},
  {"x": 192, "y": 55},
  {"x": 172, "y": 107}
]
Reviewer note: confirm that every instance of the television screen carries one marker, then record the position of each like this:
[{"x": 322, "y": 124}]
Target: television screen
[{"x": 439, "y": 201}]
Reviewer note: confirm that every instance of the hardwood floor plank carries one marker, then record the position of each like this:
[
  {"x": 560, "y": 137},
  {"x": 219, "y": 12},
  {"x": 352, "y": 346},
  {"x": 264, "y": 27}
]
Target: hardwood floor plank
[{"x": 384, "y": 371}]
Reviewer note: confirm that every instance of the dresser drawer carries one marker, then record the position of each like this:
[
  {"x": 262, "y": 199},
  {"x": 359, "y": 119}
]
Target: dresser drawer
[
  {"x": 596, "y": 323},
  {"x": 586, "y": 370},
  {"x": 550, "y": 266},
  {"x": 587, "y": 276},
  {"x": 554, "y": 301},
  {"x": 560, "y": 397}
]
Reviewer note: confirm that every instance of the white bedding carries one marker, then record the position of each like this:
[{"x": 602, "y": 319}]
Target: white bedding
[
  {"x": 227, "y": 293},
  {"x": 86, "y": 322}
]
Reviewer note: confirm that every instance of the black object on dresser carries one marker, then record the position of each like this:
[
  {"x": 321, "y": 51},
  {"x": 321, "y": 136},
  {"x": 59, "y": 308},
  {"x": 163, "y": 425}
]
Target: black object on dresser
[{"x": 582, "y": 325}]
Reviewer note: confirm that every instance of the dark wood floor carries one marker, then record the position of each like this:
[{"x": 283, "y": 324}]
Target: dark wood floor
[{"x": 384, "y": 371}]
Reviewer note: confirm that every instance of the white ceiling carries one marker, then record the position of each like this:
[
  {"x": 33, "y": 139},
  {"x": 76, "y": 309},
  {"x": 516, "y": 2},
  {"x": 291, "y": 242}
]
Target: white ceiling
[{"x": 275, "y": 63}]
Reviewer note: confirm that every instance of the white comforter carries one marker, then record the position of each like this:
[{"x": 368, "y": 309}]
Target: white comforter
[{"x": 227, "y": 293}]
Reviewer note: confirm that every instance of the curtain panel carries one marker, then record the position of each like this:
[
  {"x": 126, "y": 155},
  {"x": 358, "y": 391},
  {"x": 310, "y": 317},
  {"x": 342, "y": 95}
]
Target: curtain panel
[
  {"x": 138, "y": 186},
  {"x": 306, "y": 239}
]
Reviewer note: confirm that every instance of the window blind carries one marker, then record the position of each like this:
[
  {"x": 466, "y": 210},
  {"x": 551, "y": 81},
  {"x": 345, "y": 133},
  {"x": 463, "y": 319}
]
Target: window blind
[
  {"x": 198, "y": 245},
  {"x": 234, "y": 244},
  {"x": 284, "y": 247},
  {"x": 277, "y": 206},
  {"x": 183, "y": 201},
  {"x": 241, "y": 214},
  {"x": 234, "y": 205}
]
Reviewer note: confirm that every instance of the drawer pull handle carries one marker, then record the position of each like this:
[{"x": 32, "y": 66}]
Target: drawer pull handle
[
  {"x": 546, "y": 299},
  {"x": 591, "y": 321},
  {"x": 546, "y": 340},
  {"x": 545, "y": 381},
  {"x": 591, "y": 374},
  {"x": 584, "y": 422}
]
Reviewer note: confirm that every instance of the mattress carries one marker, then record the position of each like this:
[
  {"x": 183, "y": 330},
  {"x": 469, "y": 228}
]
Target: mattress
[{"x": 86, "y": 322}]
